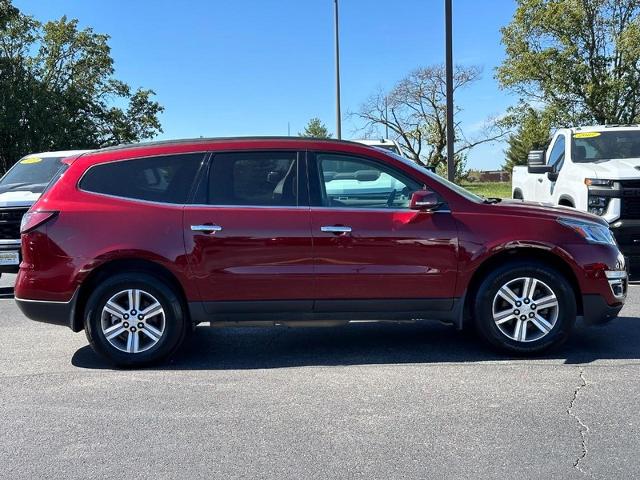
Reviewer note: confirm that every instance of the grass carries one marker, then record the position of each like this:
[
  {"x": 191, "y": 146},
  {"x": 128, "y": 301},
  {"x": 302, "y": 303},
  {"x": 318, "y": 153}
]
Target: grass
[{"x": 490, "y": 189}]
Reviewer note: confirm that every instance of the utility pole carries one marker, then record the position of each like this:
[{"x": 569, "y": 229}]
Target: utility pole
[
  {"x": 338, "y": 115},
  {"x": 386, "y": 118},
  {"x": 451, "y": 166}
]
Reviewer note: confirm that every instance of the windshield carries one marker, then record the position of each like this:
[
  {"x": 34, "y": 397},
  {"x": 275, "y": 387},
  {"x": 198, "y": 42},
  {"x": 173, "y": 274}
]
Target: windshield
[
  {"x": 32, "y": 170},
  {"x": 444, "y": 182},
  {"x": 595, "y": 146}
]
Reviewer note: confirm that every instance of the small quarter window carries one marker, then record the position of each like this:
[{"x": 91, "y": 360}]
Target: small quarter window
[{"x": 166, "y": 179}]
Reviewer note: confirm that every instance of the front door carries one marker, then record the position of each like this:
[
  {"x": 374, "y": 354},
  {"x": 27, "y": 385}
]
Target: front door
[
  {"x": 546, "y": 187},
  {"x": 369, "y": 246},
  {"x": 250, "y": 238}
]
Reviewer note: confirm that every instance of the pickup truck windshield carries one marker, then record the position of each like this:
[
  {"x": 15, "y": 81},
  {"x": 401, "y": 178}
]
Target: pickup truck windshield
[
  {"x": 596, "y": 146},
  {"x": 31, "y": 170}
]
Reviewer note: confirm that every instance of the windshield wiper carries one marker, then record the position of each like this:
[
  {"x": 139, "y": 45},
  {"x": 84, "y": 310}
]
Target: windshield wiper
[{"x": 491, "y": 200}]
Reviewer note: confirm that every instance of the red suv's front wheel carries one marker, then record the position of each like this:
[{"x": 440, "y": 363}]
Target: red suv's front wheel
[
  {"x": 134, "y": 319},
  {"x": 525, "y": 307}
]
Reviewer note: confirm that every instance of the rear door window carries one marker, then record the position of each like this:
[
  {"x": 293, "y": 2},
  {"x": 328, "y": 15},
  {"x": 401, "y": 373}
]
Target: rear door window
[
  {"x": 267, "y": 179},
  {"x": 166, "y": 179}
]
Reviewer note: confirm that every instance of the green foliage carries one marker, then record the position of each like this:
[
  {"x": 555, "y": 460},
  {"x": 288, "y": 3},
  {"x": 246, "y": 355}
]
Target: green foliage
[
  {"x": 461, "y": 171},
  {"x": 57, "y": 90},
  {"x": 575, "y": 60},
  {"x": 489, "y": 189},
  {"x": 315, "y": 129},
  {"x": 533, "y": 133}
]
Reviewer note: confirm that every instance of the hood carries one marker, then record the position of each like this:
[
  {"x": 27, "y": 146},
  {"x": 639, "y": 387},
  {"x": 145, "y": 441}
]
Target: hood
[
  {"x": 616, "y": 168},
  {"x": 524, "y": 208},
  {"x": 25, "y": 196}
]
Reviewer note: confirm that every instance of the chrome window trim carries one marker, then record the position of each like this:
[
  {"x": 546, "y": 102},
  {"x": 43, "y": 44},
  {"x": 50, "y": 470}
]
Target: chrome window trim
[
  {"x": 258, "y": 207},
  {"x": 355, "y": 209}
]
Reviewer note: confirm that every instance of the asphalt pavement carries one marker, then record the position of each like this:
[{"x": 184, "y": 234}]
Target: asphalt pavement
[{"x": 370, "y": 401}]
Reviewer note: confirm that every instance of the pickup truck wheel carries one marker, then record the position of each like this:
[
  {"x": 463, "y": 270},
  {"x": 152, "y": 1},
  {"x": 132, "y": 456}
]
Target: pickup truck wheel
[
  {"x": 134, "y": 319},
  {"x": 525, "y": 308}
]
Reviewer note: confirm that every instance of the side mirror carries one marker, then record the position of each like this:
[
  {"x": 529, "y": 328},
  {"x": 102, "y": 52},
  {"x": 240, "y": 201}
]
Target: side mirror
[
  {"x": 424, "y": 200},
  {"x": 553, "y": 175},
  {"x": 537, "y": 163}
]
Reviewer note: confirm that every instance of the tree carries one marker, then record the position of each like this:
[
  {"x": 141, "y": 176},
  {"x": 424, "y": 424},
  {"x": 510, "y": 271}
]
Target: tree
[
  {"x": 315, "y": 129},
  {"x": 415, "y": 111},
  {"x": 533, "y": 133},
  {"x": 576, "y": 60},
  {"x": 58, "y": 91}
]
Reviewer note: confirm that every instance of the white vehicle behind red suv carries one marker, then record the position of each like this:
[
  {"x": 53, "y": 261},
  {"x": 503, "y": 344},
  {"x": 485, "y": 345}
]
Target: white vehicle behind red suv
[
  {"x": 20, "y": 187},
  {"x": 594, "y": 169}
]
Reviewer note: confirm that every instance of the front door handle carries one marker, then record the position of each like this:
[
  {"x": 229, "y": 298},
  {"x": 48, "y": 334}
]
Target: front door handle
[
  {"x": 540, "y": 180},
  {"x": 335, "y": 229},
  {"x": 206, "y": 228}
]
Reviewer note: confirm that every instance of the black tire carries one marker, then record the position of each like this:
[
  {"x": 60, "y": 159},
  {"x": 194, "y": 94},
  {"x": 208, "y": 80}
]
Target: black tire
[
  {"x": 483, "y": 307},
  {"x": 175, "y": 319}
]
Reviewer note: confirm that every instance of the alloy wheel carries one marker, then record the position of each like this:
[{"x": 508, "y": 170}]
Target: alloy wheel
[
  {"x": 133, "y": 321},
  {"x": 525, "y": 309}
]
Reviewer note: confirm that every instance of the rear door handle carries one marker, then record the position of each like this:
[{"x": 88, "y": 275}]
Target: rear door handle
[
  {"x": 335, "y": 229},
  {"x": 210, "y": 228},
  {"x": 540, "y": 180}
]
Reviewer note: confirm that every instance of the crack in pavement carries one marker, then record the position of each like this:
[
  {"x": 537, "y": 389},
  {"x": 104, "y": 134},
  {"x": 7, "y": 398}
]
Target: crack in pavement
[{"x": 582, "y": 427}]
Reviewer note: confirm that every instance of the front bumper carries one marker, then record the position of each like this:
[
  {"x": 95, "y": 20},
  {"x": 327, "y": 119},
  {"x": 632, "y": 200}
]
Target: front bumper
[
  {"x": 597, "y": 311},
  {"x": 56, "y": 313}
]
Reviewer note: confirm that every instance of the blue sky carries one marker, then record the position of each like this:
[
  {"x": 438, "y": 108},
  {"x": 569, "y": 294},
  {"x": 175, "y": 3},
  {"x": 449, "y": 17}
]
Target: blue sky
[{"x": 251, "y": 67}]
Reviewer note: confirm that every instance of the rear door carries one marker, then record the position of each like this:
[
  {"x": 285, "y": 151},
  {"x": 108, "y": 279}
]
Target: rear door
[
  {"x": 248, "y": 236},
  {"x": 371, "y": 250}
]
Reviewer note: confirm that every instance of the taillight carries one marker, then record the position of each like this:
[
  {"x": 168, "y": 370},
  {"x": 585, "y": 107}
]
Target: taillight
[{"x": 31, "y": 220}]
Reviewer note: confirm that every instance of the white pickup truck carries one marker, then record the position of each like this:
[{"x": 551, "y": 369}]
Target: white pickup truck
[
  {"x": 595, "y": 169},
  {"x": 20, "y": 187}
]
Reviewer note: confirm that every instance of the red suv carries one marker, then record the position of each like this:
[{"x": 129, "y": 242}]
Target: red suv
[{"x": 138, "y": 244}]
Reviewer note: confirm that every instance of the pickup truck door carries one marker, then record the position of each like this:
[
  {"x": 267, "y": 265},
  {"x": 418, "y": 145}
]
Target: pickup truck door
[{"x": 545, "y": 188}]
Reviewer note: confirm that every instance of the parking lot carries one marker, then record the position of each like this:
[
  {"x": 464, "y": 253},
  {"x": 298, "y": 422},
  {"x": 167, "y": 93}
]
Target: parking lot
[{"x": 365, "y": 401}]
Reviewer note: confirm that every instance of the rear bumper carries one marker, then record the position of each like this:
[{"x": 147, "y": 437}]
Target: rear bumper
[
  {"x": 597, "y": 311},
  {"x": 56, "y": 313}
]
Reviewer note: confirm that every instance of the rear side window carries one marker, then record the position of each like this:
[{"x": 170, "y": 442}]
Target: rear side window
[
  {"x": 254, "y": 179},
  {"x": 166, "y": 179}
]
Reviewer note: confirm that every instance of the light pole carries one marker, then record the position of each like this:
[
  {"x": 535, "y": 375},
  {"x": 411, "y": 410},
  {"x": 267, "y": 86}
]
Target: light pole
[
  {"x": 338, "y": 115},
  {"x": 451, "y": 166}
]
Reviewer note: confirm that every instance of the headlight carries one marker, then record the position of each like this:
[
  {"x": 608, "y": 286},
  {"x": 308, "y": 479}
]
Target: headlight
[
  {"x": 598, "y": 182},
  {"x": 597, "y": 205},
  {"x": 591, "y": 232}
]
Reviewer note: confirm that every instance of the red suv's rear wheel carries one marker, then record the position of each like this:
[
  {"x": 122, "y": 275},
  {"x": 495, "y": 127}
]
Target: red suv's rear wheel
[
  {"x": 525, "y": 307},
  {"x": 134, "y": 319}
]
